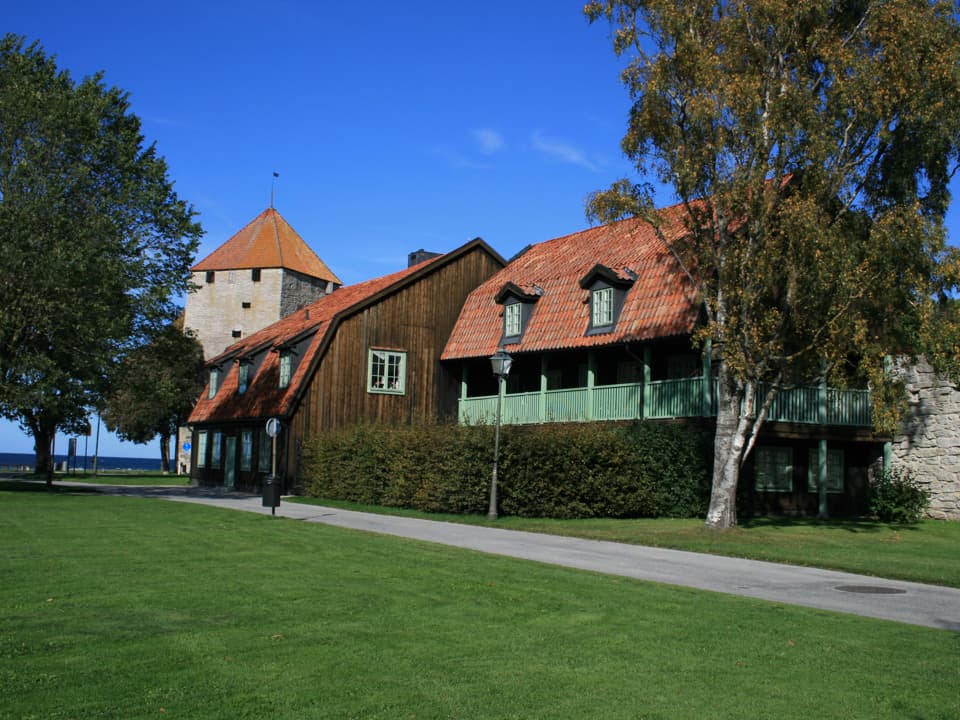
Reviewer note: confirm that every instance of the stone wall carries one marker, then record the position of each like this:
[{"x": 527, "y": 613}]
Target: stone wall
[
  {"x": 299, "y": 291},
  {"x": 928, "y": 443}
]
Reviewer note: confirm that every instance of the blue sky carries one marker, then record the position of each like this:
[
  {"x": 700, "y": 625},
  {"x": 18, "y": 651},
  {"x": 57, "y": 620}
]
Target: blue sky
[{"x": 393, "y": 126}]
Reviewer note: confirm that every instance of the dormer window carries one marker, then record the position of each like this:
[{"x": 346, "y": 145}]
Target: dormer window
[
  {"x": 243, "y": 377},
  {"x": 512, "y": 319},
  {"x": 608, "y": 290},
  {"x": 214, "y": 383},
  {"x": 517, "y": 308},
  {"x": 601, "y": 307},
  {"x": 286, "y": 368}
]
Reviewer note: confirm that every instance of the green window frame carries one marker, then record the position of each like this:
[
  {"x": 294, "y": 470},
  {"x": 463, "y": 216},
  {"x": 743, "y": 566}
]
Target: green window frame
[
  {"x": 387, "y": 371},
  {"x": 202, "y": 449},
  {"x": 512, "y": 319},
  {"x": 601, "y": 305},
  {"x": 246, "y": 450},
  {"x": 214, "y": 383},
  {"x": 835, "y": 462},
  {"x": 243, "y": 377},
  {"x": 286, "y": 368},
  {"x": 774, "y": 469},
  {"x": 215, "y": 450}
]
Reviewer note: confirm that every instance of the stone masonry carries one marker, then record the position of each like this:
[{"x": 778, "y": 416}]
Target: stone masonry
[{"x": 928, "y": 443}]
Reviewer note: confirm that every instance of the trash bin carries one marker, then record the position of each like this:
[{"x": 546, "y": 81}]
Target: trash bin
[{"x": 271, "y": 492}]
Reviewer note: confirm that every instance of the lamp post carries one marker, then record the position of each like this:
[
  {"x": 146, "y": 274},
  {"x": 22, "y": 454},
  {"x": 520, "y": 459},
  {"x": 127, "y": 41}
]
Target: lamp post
[{"x": 500, "y": 362}]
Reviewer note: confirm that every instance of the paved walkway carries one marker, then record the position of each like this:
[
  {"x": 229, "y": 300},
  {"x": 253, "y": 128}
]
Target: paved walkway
[{"x": 900, "y": 601}]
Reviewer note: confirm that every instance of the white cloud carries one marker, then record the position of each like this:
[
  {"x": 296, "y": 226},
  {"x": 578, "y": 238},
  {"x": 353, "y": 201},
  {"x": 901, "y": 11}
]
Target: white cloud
[
  {"x": 490, "y": 141},
  {"x": 561, "y": 151}
]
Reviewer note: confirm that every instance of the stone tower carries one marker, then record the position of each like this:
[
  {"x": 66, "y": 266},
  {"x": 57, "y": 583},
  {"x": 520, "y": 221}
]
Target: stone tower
[{"x": 263, "y": 273}]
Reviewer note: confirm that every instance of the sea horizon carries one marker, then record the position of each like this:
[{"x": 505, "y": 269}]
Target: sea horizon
[{"x": 17, "y": 461}]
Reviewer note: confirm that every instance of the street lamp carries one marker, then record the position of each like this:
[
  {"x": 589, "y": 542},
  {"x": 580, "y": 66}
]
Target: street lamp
[{"x": 500, "y": 362}]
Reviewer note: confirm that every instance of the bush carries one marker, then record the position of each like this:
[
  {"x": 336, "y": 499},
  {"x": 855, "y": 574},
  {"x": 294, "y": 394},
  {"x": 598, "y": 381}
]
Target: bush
[
  {"x": 563, "y": 471},
  {"x": 896, "y": 496}
]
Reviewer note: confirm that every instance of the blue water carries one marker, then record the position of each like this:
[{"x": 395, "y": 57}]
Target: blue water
[{"x": 10, "y": 461}]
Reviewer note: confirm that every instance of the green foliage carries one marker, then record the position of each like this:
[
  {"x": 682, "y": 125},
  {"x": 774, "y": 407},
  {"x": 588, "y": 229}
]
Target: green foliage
[
  {"x": 811, "y": 145},
  {"x": 94, "y": 242},
  {"x": 897, "y": 497},
  {"x": 563, "y": 471},
  {"x": 155, "y": 389}
]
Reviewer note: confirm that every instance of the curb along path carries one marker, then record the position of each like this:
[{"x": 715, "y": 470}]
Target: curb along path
[{"x": 901, "y": 601}]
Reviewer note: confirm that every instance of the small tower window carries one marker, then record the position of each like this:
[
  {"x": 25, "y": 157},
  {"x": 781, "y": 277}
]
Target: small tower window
[
  {"x": 255, "y": 274},
  {"x": 245, "y": 305},
  {"x": 211, "y": 276},
  {"x": 237, "y": 333}
]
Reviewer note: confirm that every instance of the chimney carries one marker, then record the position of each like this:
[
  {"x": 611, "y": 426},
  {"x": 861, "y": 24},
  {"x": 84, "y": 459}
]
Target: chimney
[{"x": 419, "y": 256}]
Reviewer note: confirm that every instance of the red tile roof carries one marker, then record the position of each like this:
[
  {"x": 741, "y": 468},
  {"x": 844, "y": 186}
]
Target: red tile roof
[
  {"x": 660, "y": 303},
  {"x": 318, "y": 322},
  {"x": 267, "y": 241}
]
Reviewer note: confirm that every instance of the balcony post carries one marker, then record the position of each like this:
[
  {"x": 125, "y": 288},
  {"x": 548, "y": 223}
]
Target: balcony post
[
  {"x": 591, "y": 380},
  {"x": 542, "y": 400},
  {"x": 706, "y": 407},
  {"x": 645, "y": 411}
]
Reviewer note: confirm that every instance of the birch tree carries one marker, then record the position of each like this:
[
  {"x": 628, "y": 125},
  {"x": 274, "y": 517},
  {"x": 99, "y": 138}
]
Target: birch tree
[{"x": 811, "y": 143}]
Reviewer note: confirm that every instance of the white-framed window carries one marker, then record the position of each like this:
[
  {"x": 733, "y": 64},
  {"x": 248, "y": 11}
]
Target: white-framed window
[
  {"x": 387, "y": 371},
  {"x": 246, "y": 449},
  {"x": 214, "y": 383},
  {"x": 243, "y": 377},
  {"x": 266, "y": 448},
  {"x": 202, "y": 449},
  {"x": 512, "y": 319},
  {"x": 834, "y": 470},
  {"x": 215, "y": 451},
  {"x": 774, "y": 469},
  {"x": 286, "y": 368},
  {"x": 601, "y": 302}
]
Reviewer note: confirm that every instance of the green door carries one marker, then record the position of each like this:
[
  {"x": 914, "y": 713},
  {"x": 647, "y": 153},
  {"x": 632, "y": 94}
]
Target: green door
[{"x": 230, "y": 462}]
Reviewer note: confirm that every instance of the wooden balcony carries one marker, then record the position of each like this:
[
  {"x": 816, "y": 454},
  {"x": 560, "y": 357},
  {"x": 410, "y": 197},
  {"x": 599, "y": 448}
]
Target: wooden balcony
[{"x": 663, "y": 399}]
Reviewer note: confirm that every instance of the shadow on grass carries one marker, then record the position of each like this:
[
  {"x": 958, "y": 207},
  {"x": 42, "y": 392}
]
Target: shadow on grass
[
  {"x": 852, "y": 525},
  {"x": 28, "y": 484}
]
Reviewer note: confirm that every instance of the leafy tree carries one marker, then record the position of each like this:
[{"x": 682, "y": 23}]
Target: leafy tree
[
  {"x": 93, "y": 241},
  {"x": 155, "y": 388},
  {"x": 811, "y": 143}
]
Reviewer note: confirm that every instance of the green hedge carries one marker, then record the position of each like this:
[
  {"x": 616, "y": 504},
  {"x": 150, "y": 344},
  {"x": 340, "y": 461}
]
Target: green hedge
[{"x": 563, "y": 471}]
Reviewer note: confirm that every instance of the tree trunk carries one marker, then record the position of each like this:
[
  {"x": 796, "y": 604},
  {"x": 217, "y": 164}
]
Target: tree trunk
[
  {"x": 43, "y": 458},
  {"x": 730, "y": 440},
  {"x": 165, "y": 453}
]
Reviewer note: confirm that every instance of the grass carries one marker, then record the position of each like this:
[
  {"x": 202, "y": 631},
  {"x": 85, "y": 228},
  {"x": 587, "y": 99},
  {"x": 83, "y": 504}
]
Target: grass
[
  {"x": 925, "y": 552},
  {"x": 114, "y": 607},
  {"x": 104, "y": 477}
]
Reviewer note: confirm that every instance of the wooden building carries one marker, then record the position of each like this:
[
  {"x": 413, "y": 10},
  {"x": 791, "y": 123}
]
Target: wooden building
[
  {"x": 261, "y": 274},
  {"x": 368, "y": 352},
  {"x": 598, "y": 324}
]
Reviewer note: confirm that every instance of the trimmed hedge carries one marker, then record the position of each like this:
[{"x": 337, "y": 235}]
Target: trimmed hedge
[{"x": 562, "y": 470}]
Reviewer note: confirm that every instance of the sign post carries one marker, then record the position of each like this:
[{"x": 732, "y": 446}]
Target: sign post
[{"x": 271, "y": 488}]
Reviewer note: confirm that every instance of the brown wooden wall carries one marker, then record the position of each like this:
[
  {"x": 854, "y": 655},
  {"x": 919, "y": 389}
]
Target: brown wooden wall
[{"x": 417, "y": 319}]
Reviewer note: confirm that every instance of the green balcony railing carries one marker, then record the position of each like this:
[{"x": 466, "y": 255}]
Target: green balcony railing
[{"x": 664, "y": 399}]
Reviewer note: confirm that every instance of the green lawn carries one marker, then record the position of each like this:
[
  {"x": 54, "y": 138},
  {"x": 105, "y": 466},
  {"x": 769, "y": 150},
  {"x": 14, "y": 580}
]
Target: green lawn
[
  {"x": 115, "y": 607},
  {"x": 104, "y": 477},
  {"x": 926, "y": 552}
]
